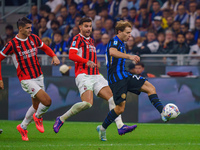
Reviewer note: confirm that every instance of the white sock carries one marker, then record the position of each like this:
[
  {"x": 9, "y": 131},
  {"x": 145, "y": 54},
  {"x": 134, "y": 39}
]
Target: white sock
[
  {"x": 28, "y": 118},
  {"x": 118, "y": 120},
  {"x": 42, "y": 109},
  {"x": 102, "y": 128},
  {"x": 76, "y": 108}
]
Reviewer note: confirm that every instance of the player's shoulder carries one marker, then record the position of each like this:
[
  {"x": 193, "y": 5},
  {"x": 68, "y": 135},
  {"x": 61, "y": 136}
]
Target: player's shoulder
[
  {"x": 76, "y": 37},
  {"x": 33, "y": 35}
]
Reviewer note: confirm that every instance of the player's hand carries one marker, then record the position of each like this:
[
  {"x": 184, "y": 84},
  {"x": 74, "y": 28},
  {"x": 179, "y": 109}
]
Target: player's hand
[
  {"x": 55, "y": 61},
  {"x": 134, "y": 58},
  {"x": 1, "y": 84},
  {"x": 91, "y": 64}
]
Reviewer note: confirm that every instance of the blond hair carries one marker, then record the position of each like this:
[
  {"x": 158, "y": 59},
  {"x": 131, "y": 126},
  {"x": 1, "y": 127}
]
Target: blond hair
[{"x": 121, "y": 25}]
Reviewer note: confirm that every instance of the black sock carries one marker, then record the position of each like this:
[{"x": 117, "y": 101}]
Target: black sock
[
  {"x": 110, "y": 118},
  {"x": 156, "y": 102}
]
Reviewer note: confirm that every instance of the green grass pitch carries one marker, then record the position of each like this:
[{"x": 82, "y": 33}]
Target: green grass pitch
[{"x": 83, "y": 136}]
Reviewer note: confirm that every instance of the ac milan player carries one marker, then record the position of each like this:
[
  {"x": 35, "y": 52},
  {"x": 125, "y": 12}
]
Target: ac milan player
[
  {"x": 23, "y": 48},
  {"x": 88, "y": 79}
]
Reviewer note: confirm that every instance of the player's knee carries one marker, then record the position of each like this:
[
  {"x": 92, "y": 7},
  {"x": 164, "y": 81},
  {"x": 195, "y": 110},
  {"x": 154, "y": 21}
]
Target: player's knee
[
  {"x": 119, "y": 110},
  {"x": 86, "y": 105},
  {"x": 47, "y": 102},
  {"x": 152, "y": 90}
]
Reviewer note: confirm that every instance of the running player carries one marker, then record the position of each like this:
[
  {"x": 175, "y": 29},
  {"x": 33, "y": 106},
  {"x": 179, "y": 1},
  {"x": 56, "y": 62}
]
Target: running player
[
  {"x": 88, "y": 79},
  {"x": 23, "y": 48},
  {"x": 121, "y": 81}
]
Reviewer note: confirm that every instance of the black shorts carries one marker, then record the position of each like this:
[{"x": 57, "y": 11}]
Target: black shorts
[{"x": 131, "y": 84}]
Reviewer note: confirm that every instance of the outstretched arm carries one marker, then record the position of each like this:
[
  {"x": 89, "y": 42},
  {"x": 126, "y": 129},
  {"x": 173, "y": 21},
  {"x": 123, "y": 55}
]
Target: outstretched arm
[
  {"x": 117, "y": 54},
  {"x": 50, "y": 53},
  {"x": 76, "y": 58}
]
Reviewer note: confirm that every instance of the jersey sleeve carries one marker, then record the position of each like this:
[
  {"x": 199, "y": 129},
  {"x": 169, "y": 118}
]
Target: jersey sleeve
[
  {"x": 75, "y": 45},
  {"x": 113, "y": 43},
  {"x": 7, "y": 50}
]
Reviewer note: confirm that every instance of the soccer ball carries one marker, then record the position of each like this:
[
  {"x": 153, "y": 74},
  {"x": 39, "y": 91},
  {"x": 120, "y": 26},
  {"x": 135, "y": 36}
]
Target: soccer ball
[
  {"x": 64, "y": 68},
  {"x": 170, "y": 111}
]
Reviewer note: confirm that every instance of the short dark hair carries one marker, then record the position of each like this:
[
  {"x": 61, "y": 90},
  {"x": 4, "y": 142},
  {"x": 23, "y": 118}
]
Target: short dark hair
[
  {"x": 155, "y": 1},
  {"x": 23, "y": 21},
  {"x": 9, "y": 27},
  {"x": 133, "y": 8},
  {"x": 45, "y": 8},
  {"x": 180, "y": 34},
  {"x": 54, "y": 21},
  {"x": 85, "y": 19},
  {"x": 140, "y": 64},
  {"x": 58, "y": 32}
]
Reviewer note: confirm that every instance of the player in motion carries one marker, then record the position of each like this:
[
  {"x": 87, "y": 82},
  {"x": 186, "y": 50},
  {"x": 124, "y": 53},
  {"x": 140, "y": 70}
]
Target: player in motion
[
  {"x": 23, "y": 48},
  {"x": 121, "y": 81},
  {"x": 88, "y": 79}
]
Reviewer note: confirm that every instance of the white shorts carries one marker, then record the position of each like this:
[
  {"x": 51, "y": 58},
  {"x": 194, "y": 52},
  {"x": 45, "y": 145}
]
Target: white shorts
[
  {"x": 32, "y": 86},
  {"x": 90, "y": 82}
]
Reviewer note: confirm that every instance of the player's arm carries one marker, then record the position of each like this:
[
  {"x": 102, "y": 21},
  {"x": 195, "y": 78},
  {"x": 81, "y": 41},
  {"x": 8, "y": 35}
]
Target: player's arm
[
  {"x": 1, "y": 81},
  {"x": 76, "y": 58},
  {"x": 50, "y": 53},
  {"x": 117, "y": 54}
]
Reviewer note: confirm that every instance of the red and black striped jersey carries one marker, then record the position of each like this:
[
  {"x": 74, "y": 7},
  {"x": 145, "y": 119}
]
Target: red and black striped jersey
[
  {"x": 24, "y": 55},
  {"x": 87, "y": 50}
]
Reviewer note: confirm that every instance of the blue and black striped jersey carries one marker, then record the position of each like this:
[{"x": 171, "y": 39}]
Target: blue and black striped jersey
[{"x": 116, "y": 66}]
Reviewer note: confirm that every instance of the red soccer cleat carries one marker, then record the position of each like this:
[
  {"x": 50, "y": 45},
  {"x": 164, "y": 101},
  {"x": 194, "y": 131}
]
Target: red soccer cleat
[
  {"x": 38, "y": 123},
  {"x": 23, "y": 133}
]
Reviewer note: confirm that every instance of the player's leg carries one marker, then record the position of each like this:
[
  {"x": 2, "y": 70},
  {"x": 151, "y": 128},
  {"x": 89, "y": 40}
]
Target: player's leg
[
  {"x": 85, "y": 86},
  {"x": 148, "y": 88},
  {"x": 41, "y": 102},
  {"x": 106, "y": 94},
  {"x": 87, "y": 101},
  {"x": 28, "y": 117},
  {"x": 112, "y": 115}
]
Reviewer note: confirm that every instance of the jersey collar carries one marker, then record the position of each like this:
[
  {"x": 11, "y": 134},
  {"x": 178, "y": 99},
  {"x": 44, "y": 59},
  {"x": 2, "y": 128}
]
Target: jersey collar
[
  {"x": 17, "y": 37},
  {"x": 84, "y": 36},
  {"x": 119, "y": 39}
]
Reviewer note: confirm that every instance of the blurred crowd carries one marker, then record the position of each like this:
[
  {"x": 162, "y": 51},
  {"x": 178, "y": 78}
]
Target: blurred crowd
[{"x": 159, "y": 26}]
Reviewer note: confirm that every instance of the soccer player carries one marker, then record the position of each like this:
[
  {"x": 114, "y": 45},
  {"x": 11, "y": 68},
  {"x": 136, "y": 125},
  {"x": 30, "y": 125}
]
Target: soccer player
[
  {"x": 121, "y": 81},
  {"x": 87, "y": 77},
  {"x": 23, "y": 48}
]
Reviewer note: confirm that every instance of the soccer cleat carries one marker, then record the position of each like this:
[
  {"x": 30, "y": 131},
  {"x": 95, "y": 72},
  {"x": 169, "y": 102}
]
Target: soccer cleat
[
  {"x": 57, "y": 125},
  {"x": 102, "y": 134},
  {"x": 1, "y": 131},
  {"x": 125, "y": 129},
  {"x": 23, "y": 133},
  {"x": 38, "y": 123}
]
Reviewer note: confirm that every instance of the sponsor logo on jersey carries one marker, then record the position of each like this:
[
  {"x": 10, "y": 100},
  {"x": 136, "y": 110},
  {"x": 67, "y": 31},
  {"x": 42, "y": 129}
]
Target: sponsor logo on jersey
[
  {"x": 29, "y": 53},
  {"x": 74, "y": 43}
]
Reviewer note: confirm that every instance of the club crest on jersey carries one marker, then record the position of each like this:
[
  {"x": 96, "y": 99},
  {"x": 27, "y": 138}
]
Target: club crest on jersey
[
  {"x": 74, "y": 43},
  {"x": 32, "y": 43},
  {"x": 32, "y": 89},
  {"x": 115, "y": 42}
]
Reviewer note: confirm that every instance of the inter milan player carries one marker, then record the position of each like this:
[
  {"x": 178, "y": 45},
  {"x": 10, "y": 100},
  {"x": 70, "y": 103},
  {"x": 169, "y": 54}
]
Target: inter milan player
[
  {"x": 121, "y": 81},
  {"x": 23, "y": 49},
  {"x": 88, "y": 79}
]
